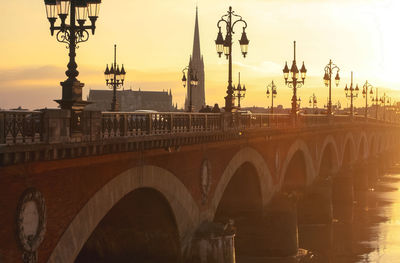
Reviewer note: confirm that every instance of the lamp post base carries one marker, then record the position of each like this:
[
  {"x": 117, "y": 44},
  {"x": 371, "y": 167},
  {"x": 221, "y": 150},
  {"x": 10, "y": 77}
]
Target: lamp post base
[
  {"x": 72, "y": 95},
  {"x": 114, "y": 106},
  {"x": 72, "y": 100}
]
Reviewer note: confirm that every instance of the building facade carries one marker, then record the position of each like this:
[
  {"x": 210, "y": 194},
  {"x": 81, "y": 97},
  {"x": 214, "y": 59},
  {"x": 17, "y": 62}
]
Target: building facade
[
  {"x": 130, "y": 100},
  {"x": 196, "y": 64}
]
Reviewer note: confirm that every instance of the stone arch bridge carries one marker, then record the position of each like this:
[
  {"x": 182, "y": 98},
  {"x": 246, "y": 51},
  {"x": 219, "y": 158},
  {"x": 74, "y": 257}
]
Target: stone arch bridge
[{"x": 144, "y": 185}]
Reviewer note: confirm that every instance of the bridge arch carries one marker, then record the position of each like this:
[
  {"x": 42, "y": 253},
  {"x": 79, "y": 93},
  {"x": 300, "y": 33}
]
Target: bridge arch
[
  {"x": 245, "y": 155},
  {"x": 328, "y": 156},
  {"x": 372, "y": 145},
  {"x": 184, "y": 208},
  {"x": 298, "y": 150},
  {"x": 362, "y": 147},
  {"x": 348, "y": 150}
]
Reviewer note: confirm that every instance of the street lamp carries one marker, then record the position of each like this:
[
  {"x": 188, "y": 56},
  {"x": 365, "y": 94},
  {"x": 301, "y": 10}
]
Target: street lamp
[
  {"x": 351, "y": 93},
  {"x": 294, "y": 83},
  {"x": 376, "y": 100},
  {"x": 115, "y": 79},
  {"x": 384, "y": 99},
  {"x": 72, "y": 34},
  {"x": 225, "y": 46},
  {"x": 329, "y": 70},
  {"x": 365, "y": 92},
  {"x": 240, "y": 91},
  {"x": 313, "y": 101},
  {"x": 193, "y": 82},
  {"x": 272, "y": 93}
]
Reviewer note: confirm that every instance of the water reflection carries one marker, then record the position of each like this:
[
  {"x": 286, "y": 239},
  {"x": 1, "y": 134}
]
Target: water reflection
[
  {"x": 373, "y": 235},
  {"x": 368, "y": 231}
]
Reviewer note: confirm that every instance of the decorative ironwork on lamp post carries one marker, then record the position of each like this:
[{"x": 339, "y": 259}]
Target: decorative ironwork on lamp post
[
  {"x": 329, "y": 70},
  {"x": 384, "y": 100},
  {"x": 376, "y": 100},
  {"x": 272, "y": 93},
  {"x": 313, "y": 101},
  {"x": 293, "y": 81},
  {"x": 225, "y": 46},
  {"x": 367, "y": 89},
  {"x": 240, "y": 91},
  {"x": 72, "y": 34},
  {"x": 351, "y": 93},
  {"x": 193, "y": 82},
  {"x": 115, "y": 79}
]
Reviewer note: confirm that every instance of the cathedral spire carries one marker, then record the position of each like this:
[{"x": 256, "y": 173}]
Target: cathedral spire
[{"x": 196, "y": 43}]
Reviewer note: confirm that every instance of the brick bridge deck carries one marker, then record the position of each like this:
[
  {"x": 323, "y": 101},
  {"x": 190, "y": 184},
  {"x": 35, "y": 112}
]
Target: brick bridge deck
[{"x": 82, "y": 175}]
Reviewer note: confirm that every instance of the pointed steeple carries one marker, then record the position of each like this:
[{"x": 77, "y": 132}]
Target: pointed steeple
[{"x": 196, "y": 42}]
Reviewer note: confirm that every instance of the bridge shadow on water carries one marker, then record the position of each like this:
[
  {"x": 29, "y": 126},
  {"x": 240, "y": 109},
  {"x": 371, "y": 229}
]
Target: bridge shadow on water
[{"x": 373, "y": 234}]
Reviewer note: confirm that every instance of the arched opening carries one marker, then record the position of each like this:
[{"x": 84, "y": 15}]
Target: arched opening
[
  {"x": 242, "y": 202},
  {"x": 327, "y": 161},
  {"x": 295, "y": 176},
  {"x": 139, "y": 228},
  {"x": 347, "y": 155},
  {"x": 361, "y": 149},
  {"x": 372, "y": 147}
]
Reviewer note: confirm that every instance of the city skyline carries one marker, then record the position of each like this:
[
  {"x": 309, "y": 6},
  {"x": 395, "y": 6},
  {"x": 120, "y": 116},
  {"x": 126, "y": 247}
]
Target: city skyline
[{"x": 356, "y": 35}]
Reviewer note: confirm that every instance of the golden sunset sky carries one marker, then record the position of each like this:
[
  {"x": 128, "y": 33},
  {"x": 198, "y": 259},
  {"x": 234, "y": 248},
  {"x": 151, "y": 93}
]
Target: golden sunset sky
[{"x": 155, "y": 39}]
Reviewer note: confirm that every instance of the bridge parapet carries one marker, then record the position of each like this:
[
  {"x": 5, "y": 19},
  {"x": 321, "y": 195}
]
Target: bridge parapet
[{"x": 50, "y": 134}]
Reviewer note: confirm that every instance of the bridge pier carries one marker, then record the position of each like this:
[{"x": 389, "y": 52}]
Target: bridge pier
[
  {"x": 343, "y": 195},
  {"x": 373, "y": 171},
  {"x": 280, "y": 229},
  {"x": 361, "y": 182},
  {"x": 213, "y": 242},
  {"x": 315, "y": 206}
]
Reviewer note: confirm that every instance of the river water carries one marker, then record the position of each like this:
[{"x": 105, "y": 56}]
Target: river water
[{"x": 373, "y": 235}]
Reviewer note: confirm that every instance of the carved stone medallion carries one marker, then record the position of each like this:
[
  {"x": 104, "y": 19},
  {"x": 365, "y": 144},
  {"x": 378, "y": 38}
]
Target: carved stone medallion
[
  {"x": 31, "y": 223},
  {"x": 205, "y": 180}
]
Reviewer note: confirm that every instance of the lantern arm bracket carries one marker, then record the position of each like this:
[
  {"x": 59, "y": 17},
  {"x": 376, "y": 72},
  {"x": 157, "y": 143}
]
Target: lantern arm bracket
[
  {"x": 223, "y": 20},
  {"x": 240, "y": 20}
]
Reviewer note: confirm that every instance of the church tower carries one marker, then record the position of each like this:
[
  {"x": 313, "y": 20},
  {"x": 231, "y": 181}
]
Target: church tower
[{"x": 196, "y": 64}]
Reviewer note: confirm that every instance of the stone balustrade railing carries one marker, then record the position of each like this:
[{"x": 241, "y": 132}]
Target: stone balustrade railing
[
  {"x": 51, "y": 134},
  {"x": 55, "y": 126}
]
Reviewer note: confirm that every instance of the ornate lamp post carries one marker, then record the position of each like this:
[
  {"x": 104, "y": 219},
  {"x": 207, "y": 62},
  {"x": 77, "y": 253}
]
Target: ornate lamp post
[
  {"x": 365, "y": 92},
  {"x": 313, "y": 101},
  {"x": 72, "y": 33},
  {"x": 351, "y": 93},
  {"x": 329, "y": 70},
  {"x": 193, "y": 82},
  {"x": 115, "y": 79},
  {"x": 225, "y": 46},
  {"x": 384, "y": 100},
  {"x": 377, "y": 102},
  {"x": 294, "y": 81},
  {"x": 273, "y": 94},
  {"x": 240, "y": 91}
]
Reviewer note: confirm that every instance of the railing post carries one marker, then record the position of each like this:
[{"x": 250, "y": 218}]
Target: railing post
[
  {"x": 205, "y": 122},
  {"x": 2, "y": 128},
  {"x": 171, "y": 123},
  {"x": 190, "y": 122},
  {"x": 56, "y": 125},
  {"x": 150, "y": 124}
]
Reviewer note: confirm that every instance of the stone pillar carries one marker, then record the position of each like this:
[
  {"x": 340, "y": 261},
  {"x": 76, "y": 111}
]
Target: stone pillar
[
  {"x": 213, "y": 243},
  {"x": 315, "y": 207},
  {"x": 361, "y": 184},
  {"x": 342, "y": 190},
  {"x": 56, "y": 125},
  {"x": 373, "y": 171},
  {"x": 343, "y": 195},
  {"x": 91, "y": 125},
  {"x": 279, "y": 230}
]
